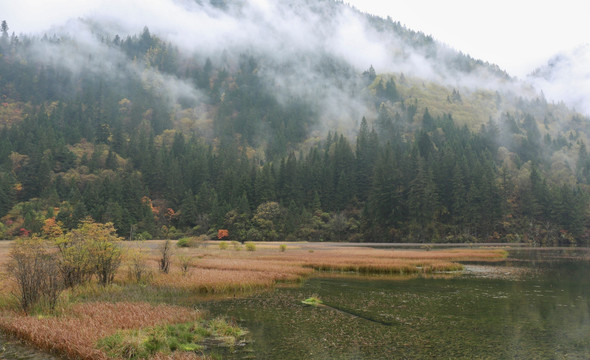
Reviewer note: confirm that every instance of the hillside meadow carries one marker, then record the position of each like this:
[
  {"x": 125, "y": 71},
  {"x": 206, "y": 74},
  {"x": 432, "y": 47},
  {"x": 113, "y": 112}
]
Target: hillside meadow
[{"x": 142, "y": 314}]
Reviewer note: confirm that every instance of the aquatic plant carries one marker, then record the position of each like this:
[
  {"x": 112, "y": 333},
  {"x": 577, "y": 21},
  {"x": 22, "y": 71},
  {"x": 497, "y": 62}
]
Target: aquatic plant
[
  {"x": 312, "y": 301},
  {"x": 165, "y": 339}
]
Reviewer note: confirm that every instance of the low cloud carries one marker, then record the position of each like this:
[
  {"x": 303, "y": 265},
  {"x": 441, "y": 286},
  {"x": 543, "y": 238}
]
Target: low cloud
[{"x": 566, "y": 77}]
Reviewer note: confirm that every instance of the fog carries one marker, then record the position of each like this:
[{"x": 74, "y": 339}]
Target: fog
[
  {"x": 295, "y": 38},
  {"x": 566, "y": 77}
]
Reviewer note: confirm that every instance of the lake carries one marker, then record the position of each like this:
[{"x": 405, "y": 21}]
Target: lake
[{"x": 534, "y": 305}]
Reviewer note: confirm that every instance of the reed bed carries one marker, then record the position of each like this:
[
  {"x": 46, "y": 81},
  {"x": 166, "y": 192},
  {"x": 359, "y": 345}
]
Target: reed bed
[
  {"x": 221, "y": 281},
  {"x": 263, "y": 265},
  {"x": 217, "y": 271},
  {"x": 386, "y": 261},
  {"x": 75, "y": 333}
]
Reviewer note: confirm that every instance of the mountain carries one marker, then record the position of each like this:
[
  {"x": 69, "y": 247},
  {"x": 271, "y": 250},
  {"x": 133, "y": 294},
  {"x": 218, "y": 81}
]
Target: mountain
[{"x": 302, "y": 120}]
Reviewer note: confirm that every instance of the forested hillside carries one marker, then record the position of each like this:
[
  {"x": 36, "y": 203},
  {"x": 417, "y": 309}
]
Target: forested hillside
[{"x": 166, "y": 141}]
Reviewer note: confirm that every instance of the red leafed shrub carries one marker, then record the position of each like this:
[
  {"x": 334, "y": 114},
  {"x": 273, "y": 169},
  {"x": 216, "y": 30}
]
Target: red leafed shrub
[{"x": 222, "y": 234}]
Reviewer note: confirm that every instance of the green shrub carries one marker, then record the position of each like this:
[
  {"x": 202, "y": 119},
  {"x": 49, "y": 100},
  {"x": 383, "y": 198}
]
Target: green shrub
[
  {"x": 237, "y": 246},
  {"x": 250, "y": 246},
  {"x": 185, "y": 242},
  {"x": 282, "y": 248},
  {"x": 223, "y": 245},
  {"x": 144, "y": 236}
]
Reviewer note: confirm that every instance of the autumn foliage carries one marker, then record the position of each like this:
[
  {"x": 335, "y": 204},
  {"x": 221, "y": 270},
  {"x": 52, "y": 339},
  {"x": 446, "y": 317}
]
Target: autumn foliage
[{"x": 222, "y": 234}]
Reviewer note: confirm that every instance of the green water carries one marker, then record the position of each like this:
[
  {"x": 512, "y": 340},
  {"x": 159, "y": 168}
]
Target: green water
[{"x": 534, "y": 306}]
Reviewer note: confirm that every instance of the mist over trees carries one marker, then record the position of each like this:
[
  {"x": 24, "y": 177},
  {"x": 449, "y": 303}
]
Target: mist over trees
[{"x": 165, "y": 142}]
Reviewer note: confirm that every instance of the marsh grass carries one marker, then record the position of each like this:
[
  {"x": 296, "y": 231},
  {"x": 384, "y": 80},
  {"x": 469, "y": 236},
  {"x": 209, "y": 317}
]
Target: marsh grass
[
  {"x": 75, "y": 333},
  {"x": 166, "y": 339}
]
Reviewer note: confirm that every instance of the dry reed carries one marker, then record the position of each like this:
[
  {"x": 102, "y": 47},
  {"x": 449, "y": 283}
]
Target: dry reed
[{"x": 75, "y": 333}]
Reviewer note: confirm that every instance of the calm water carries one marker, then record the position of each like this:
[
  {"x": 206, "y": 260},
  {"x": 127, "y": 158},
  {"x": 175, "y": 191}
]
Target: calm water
[
  {"x": 11, "y": 349},
  {"x": 536, "y": 305}
]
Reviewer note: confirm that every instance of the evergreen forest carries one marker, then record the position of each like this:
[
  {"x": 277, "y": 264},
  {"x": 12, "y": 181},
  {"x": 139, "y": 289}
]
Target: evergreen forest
[{"x": 168, "y": 143}]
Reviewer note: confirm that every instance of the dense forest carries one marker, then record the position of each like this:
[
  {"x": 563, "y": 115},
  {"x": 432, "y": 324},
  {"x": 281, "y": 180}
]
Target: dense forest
[{"x": 166, "y": 144}]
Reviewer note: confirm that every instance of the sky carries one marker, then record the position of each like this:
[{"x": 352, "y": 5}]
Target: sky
[{"x": 517, "y": 35}]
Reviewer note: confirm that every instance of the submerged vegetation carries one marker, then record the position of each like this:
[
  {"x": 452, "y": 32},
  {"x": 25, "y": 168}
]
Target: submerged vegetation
[{"x": 312, "y": 301}]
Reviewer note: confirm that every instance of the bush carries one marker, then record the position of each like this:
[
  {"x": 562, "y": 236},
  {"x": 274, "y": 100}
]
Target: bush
[
  {"x": 185, "y": 242},
  {"x": 184, "y": 262},
  {"x": 138, "y": 269},
  {"x": 33, "y": 265},
  {"x": 282, "y": 248},
  {"x": 250, "y": 246},
  {"x": 237, "y": 246},
  {"x": 223, "y": 245},
  {"x": 91, "y": 249},
  {"x": 144, "y": 236}
]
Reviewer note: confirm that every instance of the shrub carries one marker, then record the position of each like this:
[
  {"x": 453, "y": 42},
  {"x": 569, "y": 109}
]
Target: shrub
[
  {"x": 184, "y": 263},
  {"x": 237, "y": 246},
  {"x": 223, "y": 245},
  {"x": 91, "y": 249},
  {"x": 144, "y": 236},
  {"x": 34, "y": 268},
  {"x": 185, "y": 242},
  {"x": 250, "y": 246},
  {"x": 282, "y": 248},
  {"x": 138, "y": 269},
  {"x": 201, "y": 240}
]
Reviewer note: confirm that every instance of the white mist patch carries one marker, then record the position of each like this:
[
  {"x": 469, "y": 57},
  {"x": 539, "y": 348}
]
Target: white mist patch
[
  {"x": 302, "y": 45},
  {"x": 566, "y": 77}
]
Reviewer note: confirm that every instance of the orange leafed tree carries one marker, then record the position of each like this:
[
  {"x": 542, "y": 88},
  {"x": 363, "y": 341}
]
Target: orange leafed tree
[
  {"x": 222, "y": 234},
  {"x": 52, "y": 229}
]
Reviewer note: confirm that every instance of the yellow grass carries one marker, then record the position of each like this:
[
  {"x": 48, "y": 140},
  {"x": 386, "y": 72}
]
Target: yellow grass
[{"x": 216, "y": 271}]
